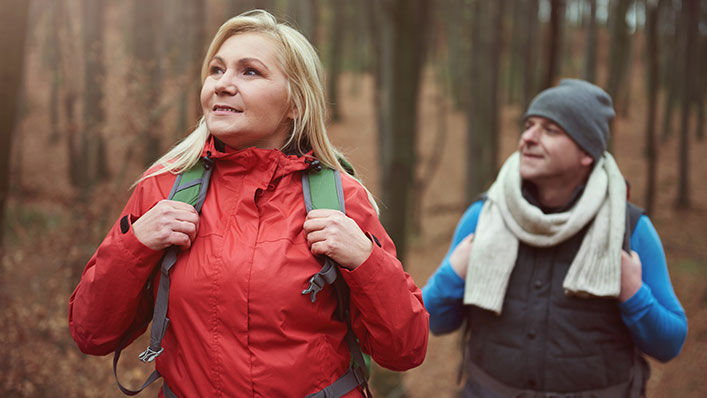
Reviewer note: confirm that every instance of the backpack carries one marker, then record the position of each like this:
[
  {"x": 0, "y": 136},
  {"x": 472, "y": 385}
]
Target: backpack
[{"x": 322, "y": 189}]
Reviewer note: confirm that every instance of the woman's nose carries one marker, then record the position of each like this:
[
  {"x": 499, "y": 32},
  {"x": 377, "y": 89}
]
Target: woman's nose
[{"x": 226, "y": 85}]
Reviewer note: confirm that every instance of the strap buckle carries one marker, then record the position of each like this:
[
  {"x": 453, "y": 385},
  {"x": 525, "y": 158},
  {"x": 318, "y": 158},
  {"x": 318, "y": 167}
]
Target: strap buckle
[
  {"x": 316, "y": 284},
  {"x": 149, "y": 354}
]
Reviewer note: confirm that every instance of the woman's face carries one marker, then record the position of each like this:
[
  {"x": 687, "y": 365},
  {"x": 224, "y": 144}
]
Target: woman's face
[{"x": 244, "y": 96}]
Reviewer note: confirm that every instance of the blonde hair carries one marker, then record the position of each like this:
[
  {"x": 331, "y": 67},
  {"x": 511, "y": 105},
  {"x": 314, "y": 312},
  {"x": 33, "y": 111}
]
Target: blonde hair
[{"x": 305, "y": 82}]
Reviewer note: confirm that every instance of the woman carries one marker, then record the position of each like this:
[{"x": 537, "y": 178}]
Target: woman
[{"x": 239, "y": 323}]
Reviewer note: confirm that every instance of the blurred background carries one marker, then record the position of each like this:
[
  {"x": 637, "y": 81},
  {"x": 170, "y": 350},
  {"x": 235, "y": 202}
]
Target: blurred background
[{"x": 426, "y": 98}]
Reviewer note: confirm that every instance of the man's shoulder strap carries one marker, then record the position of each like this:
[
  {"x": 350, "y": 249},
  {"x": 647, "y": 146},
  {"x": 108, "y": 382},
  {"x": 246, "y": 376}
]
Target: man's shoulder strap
[{"x": 633, "y": 213}]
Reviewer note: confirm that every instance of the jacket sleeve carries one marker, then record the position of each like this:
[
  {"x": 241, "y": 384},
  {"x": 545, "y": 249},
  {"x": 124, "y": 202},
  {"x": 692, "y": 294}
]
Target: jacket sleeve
[
  {"x": 110, "y": 300},
  {"x": 654, "y": 314},
  {"x": 387, "y": 313},
  {"x": 444, "y": 291}
]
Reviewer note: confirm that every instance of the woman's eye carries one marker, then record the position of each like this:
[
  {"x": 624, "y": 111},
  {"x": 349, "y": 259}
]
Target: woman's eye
[
  {"x": 216, "y": 70},
  {"x": 251, "y": 72}
]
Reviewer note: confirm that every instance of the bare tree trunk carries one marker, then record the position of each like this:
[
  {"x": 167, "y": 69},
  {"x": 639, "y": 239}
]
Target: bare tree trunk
[
  {"x": 306, "y": 16},
  {"x": 671, "y": 63},
  {"x": 553, "y": 41},
  {"x": 515, "y": 57},
  {"x": 237, "y": 7},
  {"x": 199, "y": 46},
  {"x": 53, "y": 44},
  {"x": 456, "y": 14},
  {"x": 691, "y": 9},
  {"x": 701, "y": 83},
  {"x": 399, "y": 40},
  {"x": 590, "y": 49},
  {"x": 336, "y": 29},
  {"x": 652, "y": 73},
  {"x": 147, "y": 22},
  {"x": 13, "y": 33},
  {"x": 529, "y": 50},
  {"x": 92, "y": 151},
  {"x": 398, "y": 33},
  {"x": 72, "y": 140},
  {"x": 483, "y": 113},
  {"x": 618, "y": 48}
]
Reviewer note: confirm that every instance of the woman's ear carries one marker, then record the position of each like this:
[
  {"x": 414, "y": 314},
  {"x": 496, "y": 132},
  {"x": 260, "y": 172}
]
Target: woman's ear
[{"x": 293, "y": 113}]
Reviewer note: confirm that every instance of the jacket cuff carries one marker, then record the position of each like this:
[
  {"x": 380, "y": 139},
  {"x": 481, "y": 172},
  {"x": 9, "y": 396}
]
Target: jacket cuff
[
  {"x": 369, "y": 271},
  {"x": 447, "y": 277},
  {"x": 634, "y": 308},
  {"x": 130, "y": 248}
]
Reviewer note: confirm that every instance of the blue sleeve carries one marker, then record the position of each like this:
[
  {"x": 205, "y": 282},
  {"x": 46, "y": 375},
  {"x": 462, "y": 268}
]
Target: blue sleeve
[
  {"x": 654, "y": 314},
  {"x": 444, "y": 290}
]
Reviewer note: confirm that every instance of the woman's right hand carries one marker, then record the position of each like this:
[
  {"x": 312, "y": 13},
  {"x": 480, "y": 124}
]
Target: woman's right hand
[{"x": 168, "y": 223}]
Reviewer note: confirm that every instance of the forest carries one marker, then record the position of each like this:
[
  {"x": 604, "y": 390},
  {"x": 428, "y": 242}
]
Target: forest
[{"x": 426, "y": 99}]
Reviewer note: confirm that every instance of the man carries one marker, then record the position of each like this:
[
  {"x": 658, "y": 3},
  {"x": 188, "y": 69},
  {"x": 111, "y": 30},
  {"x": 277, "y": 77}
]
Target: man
[{"x": 540, "y": 272}]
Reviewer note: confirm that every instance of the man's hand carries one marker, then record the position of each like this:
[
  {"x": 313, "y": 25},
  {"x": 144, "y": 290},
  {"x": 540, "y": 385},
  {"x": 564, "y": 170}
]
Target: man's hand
[
  {"x": 332, "y": 233},
  {"x": 168, "y": 223},
  {"x": 631, "y": 274},
  {"x": 460, "y": 256}
]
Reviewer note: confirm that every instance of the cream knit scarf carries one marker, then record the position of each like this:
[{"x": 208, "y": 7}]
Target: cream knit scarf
[{"x": 507, "y": 218}]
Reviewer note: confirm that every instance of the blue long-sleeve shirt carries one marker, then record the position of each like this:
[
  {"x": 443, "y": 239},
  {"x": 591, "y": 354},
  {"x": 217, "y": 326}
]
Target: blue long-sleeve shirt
[{"x": 653, "y": 315}]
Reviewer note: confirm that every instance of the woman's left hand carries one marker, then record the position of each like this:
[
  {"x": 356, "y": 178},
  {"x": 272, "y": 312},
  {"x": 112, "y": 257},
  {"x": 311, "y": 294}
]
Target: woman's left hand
[{"x": 333, "y": 234}]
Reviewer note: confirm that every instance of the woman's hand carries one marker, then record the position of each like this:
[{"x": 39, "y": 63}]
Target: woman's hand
[
  {"x": 331, "y": 233},
  {"x": 168, "y": 223},
  {"x": 631, "y": 275},
  {"x": 460, "y": 256}
]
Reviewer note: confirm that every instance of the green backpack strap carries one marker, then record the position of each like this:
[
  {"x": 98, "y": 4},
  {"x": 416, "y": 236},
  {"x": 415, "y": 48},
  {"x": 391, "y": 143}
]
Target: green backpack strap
[
  {"x": 189, "y": 187},
  {"x": 322, "y": 189}
]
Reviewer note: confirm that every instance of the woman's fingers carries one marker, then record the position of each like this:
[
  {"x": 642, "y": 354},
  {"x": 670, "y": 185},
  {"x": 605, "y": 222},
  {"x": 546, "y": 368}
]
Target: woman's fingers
[
  {"x": 167, "y": 223},
  {"x": 332, "y": 233}
]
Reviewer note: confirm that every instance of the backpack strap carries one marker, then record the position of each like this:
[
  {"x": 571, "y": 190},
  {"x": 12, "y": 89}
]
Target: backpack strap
[
  {"x": 189, "y": 187},
  {"x": 322, "y": 189},
  {"x": 633, "y": 213}
]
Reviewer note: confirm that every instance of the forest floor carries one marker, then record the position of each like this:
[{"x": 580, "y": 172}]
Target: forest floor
[{"x": 49, "y": 237}]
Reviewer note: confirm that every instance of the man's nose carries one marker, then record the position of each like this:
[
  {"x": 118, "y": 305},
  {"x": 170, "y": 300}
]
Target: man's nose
[{"x": 530, "y": 134}]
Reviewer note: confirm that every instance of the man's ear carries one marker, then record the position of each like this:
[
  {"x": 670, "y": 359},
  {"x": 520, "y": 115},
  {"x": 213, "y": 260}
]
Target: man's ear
[{"x": 586, "y": 160}]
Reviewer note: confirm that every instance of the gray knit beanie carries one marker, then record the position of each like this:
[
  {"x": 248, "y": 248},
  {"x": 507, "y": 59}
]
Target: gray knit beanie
[{"x": 581, "y": 108}]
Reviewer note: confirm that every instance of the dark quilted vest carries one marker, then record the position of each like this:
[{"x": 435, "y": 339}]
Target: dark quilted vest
[{"x": 545, "y": 340}]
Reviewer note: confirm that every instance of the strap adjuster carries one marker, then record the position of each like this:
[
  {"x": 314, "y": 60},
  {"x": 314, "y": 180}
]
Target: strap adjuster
[{"x": 149, "y": 354}]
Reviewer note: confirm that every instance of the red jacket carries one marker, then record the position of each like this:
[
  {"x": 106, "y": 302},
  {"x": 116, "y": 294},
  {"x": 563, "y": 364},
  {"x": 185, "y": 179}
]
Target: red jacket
[{"x": 239, "y": 324}]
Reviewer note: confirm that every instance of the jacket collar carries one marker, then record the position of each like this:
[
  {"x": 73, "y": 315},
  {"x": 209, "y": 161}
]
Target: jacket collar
[{"x": 253, "y": 159}]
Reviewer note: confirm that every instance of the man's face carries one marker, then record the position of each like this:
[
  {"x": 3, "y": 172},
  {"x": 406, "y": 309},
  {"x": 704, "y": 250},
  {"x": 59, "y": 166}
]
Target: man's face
[{"x": 549, "y": 156}]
